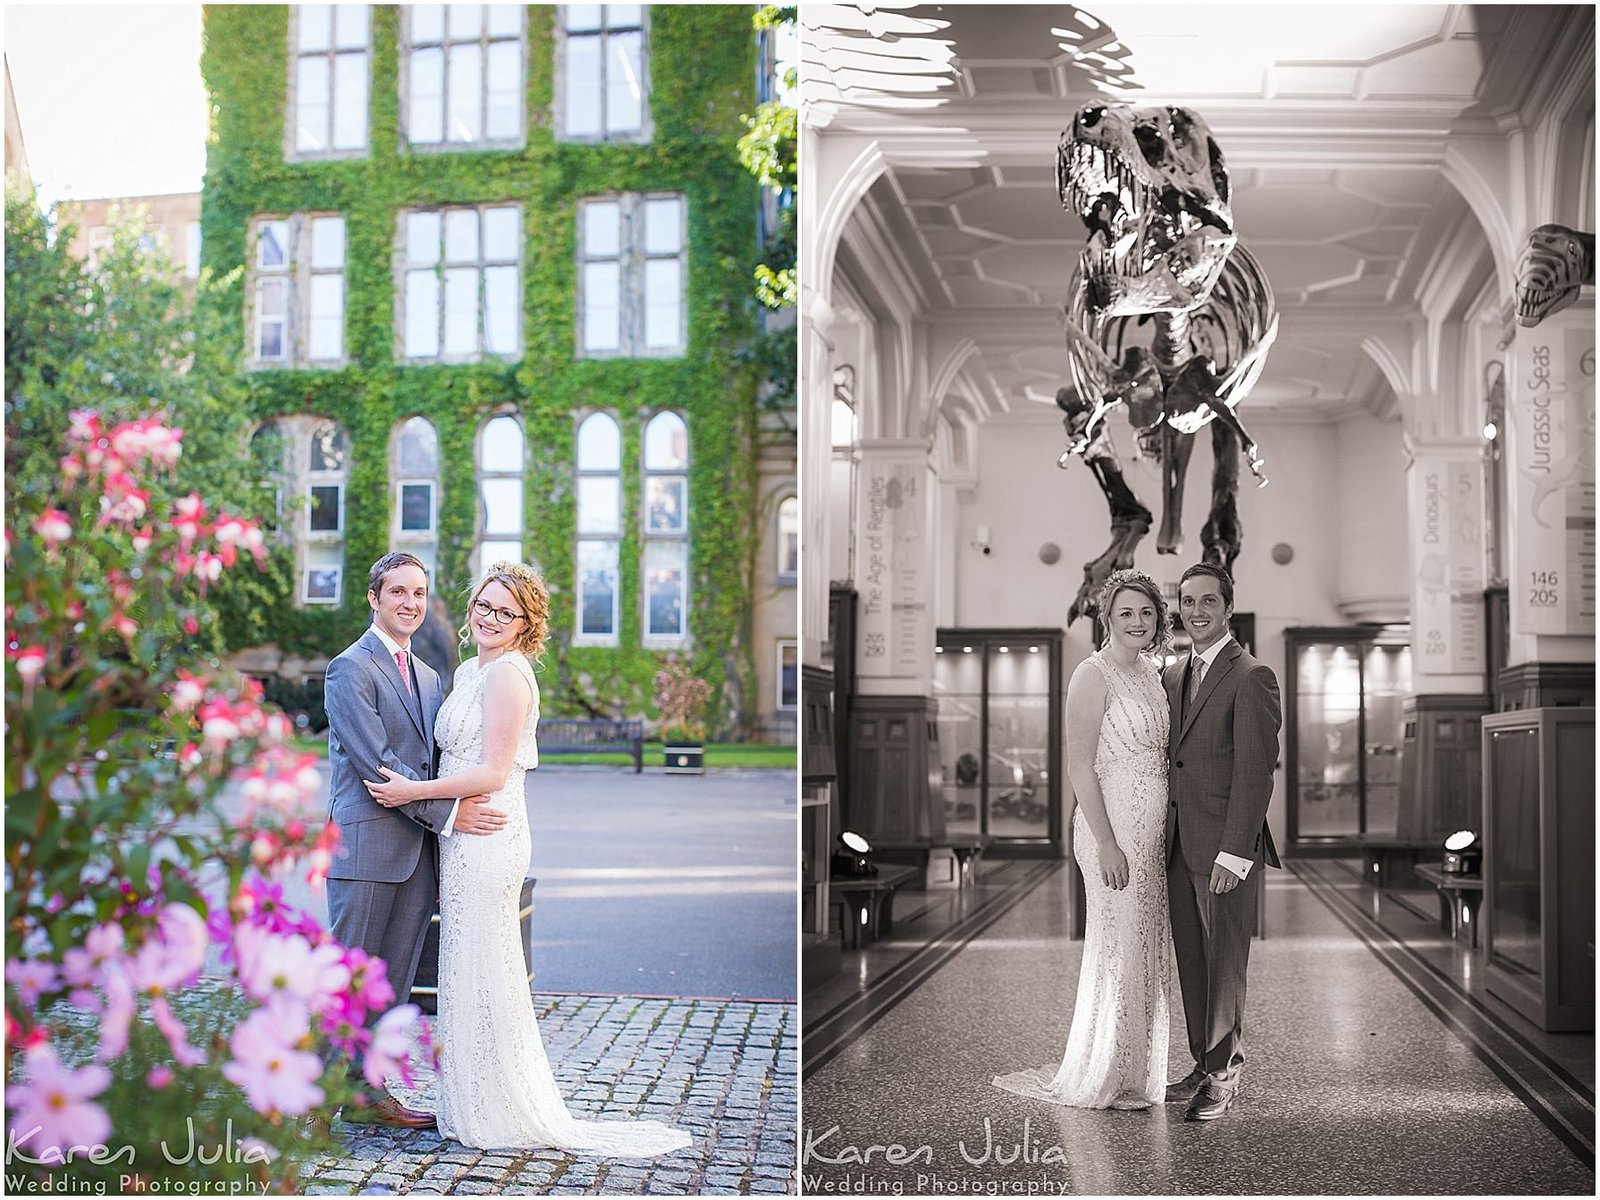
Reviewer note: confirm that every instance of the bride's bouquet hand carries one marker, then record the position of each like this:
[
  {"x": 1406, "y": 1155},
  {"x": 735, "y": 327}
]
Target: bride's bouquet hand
[
  {"x": 395, "y": 790},
  {"x": 1113, "y": 867}
]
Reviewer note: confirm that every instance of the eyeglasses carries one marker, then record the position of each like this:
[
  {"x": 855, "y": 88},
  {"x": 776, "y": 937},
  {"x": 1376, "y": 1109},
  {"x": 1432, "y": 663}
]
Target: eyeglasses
[{"x": 503, "y": 616}]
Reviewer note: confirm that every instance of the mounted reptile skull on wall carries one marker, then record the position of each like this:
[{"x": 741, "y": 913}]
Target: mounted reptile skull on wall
[
  {"x": 1161, "y": 258},
  {"x": 1556, "y": 264}
]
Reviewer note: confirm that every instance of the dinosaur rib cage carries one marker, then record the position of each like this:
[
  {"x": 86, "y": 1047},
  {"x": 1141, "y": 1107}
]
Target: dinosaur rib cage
[{"x": 1234, "y": 329}]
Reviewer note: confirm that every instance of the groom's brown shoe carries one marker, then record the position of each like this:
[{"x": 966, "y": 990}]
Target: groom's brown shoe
[
  {"x": 389, "y": 1111},
  {"x": 1181, "y": 1091},
  {"x": 1213, "y": 1099}
]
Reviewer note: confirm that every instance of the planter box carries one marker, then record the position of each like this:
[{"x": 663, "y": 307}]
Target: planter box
[
  {"x": 684, "y": 758},
  {"x": 425, "y": 991}
]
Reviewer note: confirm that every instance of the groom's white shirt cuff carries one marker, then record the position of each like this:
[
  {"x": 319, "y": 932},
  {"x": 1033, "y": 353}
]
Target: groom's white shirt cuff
[
  {"x": 1239, "y": 866},
  {"x": 449, "y": 826}
]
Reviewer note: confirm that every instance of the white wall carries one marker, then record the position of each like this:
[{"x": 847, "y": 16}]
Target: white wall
[{"x": 1374, "y": 564}]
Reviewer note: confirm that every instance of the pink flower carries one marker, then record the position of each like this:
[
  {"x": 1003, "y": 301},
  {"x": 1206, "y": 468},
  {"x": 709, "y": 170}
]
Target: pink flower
[
  {"x": 82, "y": 965},
  {"x": 83, "y": 425},
  {"x": 54, "y": 1111},
  {"x": 53, "y": 527},
  {"x": 177, "y": 1036},
  {"x": 369, "y": 980},
  {"x": 187, "y": 692},
  {"x": 121, "y": 1004},
  {"x": 71, "y": 469},
  {"x": 160, "y": 1076},
  {"x": 32, "y": 978},
  {"x": 392, "y": 1041},
  {"x": 125, "y": 626},
  {"x": 30, "y": 661},
  {"x": 287, "y": 971},
  {"x": 142, "y": 540},
  {"x": 275, "y": 1077}
]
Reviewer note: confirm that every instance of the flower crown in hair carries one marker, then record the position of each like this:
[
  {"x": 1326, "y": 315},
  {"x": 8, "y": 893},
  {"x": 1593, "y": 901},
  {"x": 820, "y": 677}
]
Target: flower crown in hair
[{"x": 516, "y": 570}]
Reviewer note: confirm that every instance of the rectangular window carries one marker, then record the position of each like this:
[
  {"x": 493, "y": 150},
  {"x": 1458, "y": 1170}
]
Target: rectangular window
[
  {"x": 416, "y": 508},
  {"x": 788, "y": 676},
  {"x": 464, "y": 68},
  {"x": 462, "y": 284},
  {"x": 666, "y": 589},
  {"x": 323, "y": 584},
  {"x": 664, "y": 504},
  {"x": 330, "y": 61},
  {"x": 297, "y": 294},
  {"x": 597, "y": 593},
  {"x": 326, "y": 513},
  {"x": 788, "y": 540},
  {"x": 632, "y": 267},
  {"x": 604, "y": 81},
  {"x": 191, "y": 250}
]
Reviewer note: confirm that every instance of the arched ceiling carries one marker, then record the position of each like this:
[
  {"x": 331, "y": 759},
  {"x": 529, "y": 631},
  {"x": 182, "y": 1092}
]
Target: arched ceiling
[{"x": 1334, "y": 121}]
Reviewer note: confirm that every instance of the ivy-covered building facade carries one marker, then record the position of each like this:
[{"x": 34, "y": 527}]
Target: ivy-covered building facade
[{"x": 491, "y": 266}]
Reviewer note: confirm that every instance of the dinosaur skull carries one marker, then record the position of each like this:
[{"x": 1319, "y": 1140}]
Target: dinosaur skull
[
  {"x": 1151, "y": 185},
  {"x": 1555, "y": 265}
]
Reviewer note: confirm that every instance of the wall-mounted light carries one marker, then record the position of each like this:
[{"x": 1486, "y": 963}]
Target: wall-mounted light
[{"x": 1490, "y": 431}]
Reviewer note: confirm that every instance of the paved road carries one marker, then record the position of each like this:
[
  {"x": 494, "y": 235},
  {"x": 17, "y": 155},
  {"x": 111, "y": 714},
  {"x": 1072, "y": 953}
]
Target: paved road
[{"x": 664, "y": 885}]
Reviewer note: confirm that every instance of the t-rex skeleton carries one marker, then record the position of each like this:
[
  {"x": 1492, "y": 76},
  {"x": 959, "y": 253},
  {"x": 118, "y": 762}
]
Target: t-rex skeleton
[{"x": 1151, "y": 185}]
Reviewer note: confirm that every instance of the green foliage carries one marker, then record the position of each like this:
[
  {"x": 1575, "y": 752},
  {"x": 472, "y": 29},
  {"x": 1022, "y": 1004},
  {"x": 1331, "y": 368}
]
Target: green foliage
[{"x": 701, "y": 68}]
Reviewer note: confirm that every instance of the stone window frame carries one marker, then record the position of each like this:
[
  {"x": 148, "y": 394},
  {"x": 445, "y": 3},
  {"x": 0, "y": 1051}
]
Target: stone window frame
[
  {"x": 402, "y": 267},
  {"x": 485, "y": 40},
  {"x": 645, "y": 134},
  {"x": 632, "y": 259},
  {"x": 291, "y": 151},
  {"x": 309, "y": 540},
  {"x": 297, "y": 273},
  {"x": 611, "y": 540},
  {"x": 678, "y": 538},
  {"x": 424, "y": 543}
]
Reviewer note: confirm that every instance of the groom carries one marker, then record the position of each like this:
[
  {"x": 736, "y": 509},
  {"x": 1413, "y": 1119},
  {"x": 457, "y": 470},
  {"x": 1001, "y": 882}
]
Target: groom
[
  {"x": 383, "y": 887},
  {"x": 1222, "y": 749}
]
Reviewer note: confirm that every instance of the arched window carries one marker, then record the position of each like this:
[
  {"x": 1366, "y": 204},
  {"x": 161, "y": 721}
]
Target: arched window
[
  {"x": 414, "y": 491},
  {"x": 789, "y": 540},
  {"x": 666, "y": 531},
  {"x": 500, "y": 462},
  {"x": 599, "y": 529},
  {"x": 269, "y": 463},
  {"x": 327, "y": 471}
]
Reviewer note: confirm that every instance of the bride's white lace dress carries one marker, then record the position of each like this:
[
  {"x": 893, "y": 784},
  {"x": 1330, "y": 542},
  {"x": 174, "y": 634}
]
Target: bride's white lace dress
[
  {"x": 1117, "y": 1051},
  {"x": 496, "y": 1090}
]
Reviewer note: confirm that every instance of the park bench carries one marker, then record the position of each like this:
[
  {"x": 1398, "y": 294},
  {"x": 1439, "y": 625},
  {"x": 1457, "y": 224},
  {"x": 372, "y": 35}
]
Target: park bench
[{"x": 577, "y": 735}]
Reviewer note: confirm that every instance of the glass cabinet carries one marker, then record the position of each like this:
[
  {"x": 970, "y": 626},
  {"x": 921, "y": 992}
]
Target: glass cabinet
[
  {"x": 999, "y": 696},
  {"x": 1343, "y": 726}
]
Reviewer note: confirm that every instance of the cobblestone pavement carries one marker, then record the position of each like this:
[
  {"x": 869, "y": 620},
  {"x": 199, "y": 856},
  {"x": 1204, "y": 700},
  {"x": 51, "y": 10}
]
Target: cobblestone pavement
[{"x": 724, "y": 1070}]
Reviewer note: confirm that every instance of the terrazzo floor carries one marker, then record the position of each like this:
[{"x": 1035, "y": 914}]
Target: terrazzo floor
[{"x": 1353, "y": 1086}]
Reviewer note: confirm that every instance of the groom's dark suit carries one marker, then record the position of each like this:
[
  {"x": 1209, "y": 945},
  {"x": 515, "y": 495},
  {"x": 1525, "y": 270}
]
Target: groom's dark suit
[{"x": 1221, "y": 754}]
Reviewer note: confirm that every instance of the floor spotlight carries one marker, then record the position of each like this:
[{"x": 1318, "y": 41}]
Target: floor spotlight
[
  {"x": 855, "y": 858},
  {"x": 1463, "y": 853}
]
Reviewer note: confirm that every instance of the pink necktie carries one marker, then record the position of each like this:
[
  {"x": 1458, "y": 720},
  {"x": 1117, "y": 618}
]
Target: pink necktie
[{"x": 405, "y": 676}]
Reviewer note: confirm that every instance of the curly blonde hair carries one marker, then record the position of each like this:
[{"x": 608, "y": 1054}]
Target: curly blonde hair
[
  {"x": 523, "y": 583},
  {"x": 1128, "y": 580}
]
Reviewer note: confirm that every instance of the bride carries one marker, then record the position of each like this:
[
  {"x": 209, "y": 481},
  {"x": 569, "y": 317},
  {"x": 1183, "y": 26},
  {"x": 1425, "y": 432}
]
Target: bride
[
  {"x": 1117, "y": 717},
  {"x": 496, "y": 1090}
]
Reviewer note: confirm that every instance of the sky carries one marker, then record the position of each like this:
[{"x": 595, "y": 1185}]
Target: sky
[{"x": 109, "y": 97}]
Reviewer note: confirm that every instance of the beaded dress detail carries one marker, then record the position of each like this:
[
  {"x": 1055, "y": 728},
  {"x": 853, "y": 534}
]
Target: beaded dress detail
[
  {"x": 496, "y": 1090},
  {"x": 1116, "y": 1053}
]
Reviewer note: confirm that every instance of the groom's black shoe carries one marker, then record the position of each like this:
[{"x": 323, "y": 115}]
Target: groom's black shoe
[
  {"x": 1181, "y": 1091},
  {"x": 1213, "y": 1098}
]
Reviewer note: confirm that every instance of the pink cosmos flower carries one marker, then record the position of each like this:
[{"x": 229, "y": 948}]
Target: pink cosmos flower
[
  {"x": 369, "y": 980},
  {"x": 392, "y": 1040},
  {"x": 274, "y": 1076},
  {"x": 53, "y": 527},
  {"x": 175, "y": 1032},
  {"x": 279, "y": 969},
  {"x": 121, "y": 1004},
  {"x": 82, "y": 965},
  {"x": 32, "y": 978},
  {"x": 55, "y": 1110},
  {"x": 160, "y": 1076}
]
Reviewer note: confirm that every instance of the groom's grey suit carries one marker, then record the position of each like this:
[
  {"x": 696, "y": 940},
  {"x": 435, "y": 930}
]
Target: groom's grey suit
[
  {"x": 383, "y": 887},
  {"x": 1221, "y": 754}
]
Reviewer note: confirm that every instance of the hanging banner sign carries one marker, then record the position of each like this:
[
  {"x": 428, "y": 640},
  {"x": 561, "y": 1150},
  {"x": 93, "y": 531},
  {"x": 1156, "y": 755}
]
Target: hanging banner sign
[
  {"x": 895, "y": 637},
  {"x": 1550, "y": 483},
  {"x": 1446, "y": 498}
]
